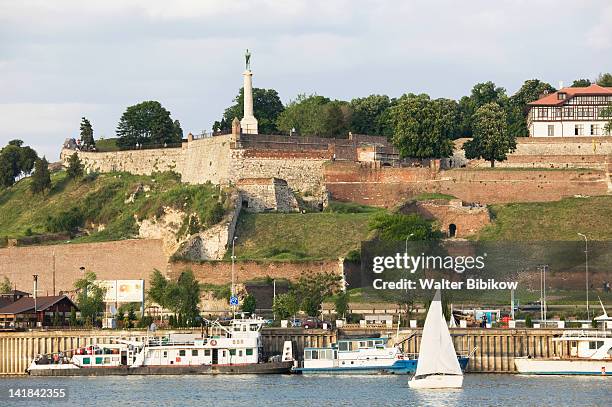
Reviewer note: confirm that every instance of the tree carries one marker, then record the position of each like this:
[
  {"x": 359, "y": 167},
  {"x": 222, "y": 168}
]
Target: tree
[
  {"x": 492, "y": 140},
  {"x": 6, "y": 286},
  {"x": 41, "y": 178},
  {"x": 517, "y": 108},
  {"x": 147, "y": 123},
  {"x": 605, "y": 79},
  {"x": 371, "y": 115},
  {"x": 158, "y": 288},
  {"x": 75, "y": 167},
  {"x": 285, "y": 305},
  {"x": 606, "y": 113},
  {"x": 315, "y": 116},
  {"x": 181, "y": 297},
  {"x": 581, "y": 83},
  {"x": 423, "y": 127},
  {"x": 341, "y": 304},
  {"x": 15, "y": 161},
  {"x": 397, "y": 226},
  {"x": 87, "y": 134},
  {"x": 266, "y": 108},
  {"x": 311, "y": 289},
  {"x": 481, "y": 94},
  {"x": 249, "y": 304},
  {"x": 90, "y": 298}
]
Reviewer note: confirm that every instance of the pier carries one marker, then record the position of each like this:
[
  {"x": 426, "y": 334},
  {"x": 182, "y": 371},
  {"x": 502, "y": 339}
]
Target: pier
[{"x": 495, "y": 348}]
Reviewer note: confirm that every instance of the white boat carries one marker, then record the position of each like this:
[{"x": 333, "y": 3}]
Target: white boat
[
  {"x": 590, "y": 354},
  {"x": 234, "y": 349},
  {"x": 438, "y": 367}
]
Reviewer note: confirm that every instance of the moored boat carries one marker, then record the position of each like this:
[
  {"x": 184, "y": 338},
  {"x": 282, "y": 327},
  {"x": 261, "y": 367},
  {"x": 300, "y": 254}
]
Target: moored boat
[
  {"x": 590, "y": 353},
  {"x": 236, "y": 349}
]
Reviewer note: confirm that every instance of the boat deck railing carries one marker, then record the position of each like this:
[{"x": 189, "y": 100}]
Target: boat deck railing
[{"x": 585, "y": 334}]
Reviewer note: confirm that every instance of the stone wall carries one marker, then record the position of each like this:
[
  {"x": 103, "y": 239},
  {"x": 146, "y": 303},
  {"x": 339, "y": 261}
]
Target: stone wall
[
  {"x": 387, "y": 187},
  {"x": 207, "y": 159},
  {"x": 220, "y": 272},
  {"x": 466, "y": 220},
  {"x": 127, "y": 259},
  {"x": 266, "y": 194}
]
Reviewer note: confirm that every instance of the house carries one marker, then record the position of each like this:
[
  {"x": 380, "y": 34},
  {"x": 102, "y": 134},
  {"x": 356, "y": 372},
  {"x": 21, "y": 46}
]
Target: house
[
  {"x": 21, "y": 313},
  {"x": 11, "y": 296},
  {"x": 570, "y": 112}
]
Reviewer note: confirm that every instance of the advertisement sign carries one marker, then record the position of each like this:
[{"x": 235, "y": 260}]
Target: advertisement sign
[{"x": 123, "y": 290}]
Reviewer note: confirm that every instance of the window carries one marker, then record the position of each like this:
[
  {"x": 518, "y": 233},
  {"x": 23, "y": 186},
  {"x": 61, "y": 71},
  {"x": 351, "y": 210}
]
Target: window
[
  {"x": 594, "y": 130},
  {"x": 315, "y": 354},
  {"x": 595, "y": 344},
  {"x": 249, "y": 352},
  {"x": 579, "y": 130},
  {"x": 561, "y": 95},
  {"x": 551, "y": 130},
  {"x": 86, "y": 361},
  {"x": 240, "y": 352},
  {"x": 206, "y": 352},
  {"x": 99, "y": 361},
  {"x": 107, "y": 361},
  {"x": 194, "y": 352},
  {"x": 343, "y": 346},
  {"x": 232, "y": 352},
  {"x": 165, "y": 354},
  {"x": 182, "y": 352},
  {"x": 307, "y": 355}
]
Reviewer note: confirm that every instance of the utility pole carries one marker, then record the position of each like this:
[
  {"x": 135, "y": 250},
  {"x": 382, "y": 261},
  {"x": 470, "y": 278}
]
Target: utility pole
[
  {"x": 586, "y": 271},
  {"x": 233, "y": 276},
  {"x": 35, "y": 295}
]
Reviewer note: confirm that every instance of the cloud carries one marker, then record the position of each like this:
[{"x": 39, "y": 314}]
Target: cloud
[{"x": 60, "y": 60}]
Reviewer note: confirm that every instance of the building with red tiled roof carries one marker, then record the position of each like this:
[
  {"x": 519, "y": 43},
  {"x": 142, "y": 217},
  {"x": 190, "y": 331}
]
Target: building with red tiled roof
[
  {"x": 21, "y": 313},
  {"x": 570, "y": 112}
]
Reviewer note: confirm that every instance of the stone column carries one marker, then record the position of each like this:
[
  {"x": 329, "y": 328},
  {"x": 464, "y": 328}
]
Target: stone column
[{"x": 248, "y": 122}]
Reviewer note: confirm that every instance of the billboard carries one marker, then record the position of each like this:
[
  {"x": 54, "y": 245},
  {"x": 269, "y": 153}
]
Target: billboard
[{"x": 123, "y": 290}]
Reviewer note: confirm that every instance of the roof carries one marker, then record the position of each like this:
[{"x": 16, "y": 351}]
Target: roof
[
  {"x": 26, "y": 304},
  {"x": 14, "y": 292},
  {"x": 553, "y": 99}
]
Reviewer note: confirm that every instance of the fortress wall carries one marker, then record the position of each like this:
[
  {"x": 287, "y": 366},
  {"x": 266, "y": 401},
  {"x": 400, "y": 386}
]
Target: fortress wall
[
  {"x": 142, "y": 162},
  {"x": 302, "y": 171},
  {"x": 220, "y": 272},
  {"x": 387, "y": 187},
  {"x": 124, "y": 260},
  {"x": 207, "y": 159}
]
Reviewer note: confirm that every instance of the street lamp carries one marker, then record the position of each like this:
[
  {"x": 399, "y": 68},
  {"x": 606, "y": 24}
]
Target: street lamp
[
  {"x": 586, "y": 269},
  {"x": 233, "y": 260},
  {"x": 407, "y": 238}
]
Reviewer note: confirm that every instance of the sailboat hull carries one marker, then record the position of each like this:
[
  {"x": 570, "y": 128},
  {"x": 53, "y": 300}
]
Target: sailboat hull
[{"x": 437, "y": 382}]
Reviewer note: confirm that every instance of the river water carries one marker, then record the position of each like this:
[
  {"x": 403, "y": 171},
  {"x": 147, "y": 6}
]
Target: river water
[{"x": 294, "y": 390}]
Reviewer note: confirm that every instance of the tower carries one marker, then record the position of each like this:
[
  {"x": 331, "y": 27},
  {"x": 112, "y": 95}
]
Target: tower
[{"x": 248, "y": 122}]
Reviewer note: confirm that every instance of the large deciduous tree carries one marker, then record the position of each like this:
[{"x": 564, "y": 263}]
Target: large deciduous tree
[
  {"x": 581, "y": 83},
  {"x": 147, "y": 123},
  {"x": 481, "y": 94},
  {"x": 371, "y": 115},
  {"x": 15, "y": 161},
  {"x": 315, "y": 116},
  {"x": 491, "y": 139},
  {"x": 605, "y": 79},
  {"x": 266, "y": 108},
  {"x": 87, "y": 134},
  {"x": 517, "y": 109},
  {"x": 90, "y": 298},
  {"x": 423, "y": 128}
]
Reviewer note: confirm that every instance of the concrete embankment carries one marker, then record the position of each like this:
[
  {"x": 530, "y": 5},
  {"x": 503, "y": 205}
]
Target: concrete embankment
[{"x": 495, "y": 348}]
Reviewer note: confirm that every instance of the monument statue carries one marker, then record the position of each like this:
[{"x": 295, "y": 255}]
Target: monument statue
[{"x": 247, "y": 59}]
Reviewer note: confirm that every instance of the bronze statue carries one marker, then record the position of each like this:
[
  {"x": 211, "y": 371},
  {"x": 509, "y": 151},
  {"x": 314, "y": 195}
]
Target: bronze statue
[{"x": 247, "y": 58}]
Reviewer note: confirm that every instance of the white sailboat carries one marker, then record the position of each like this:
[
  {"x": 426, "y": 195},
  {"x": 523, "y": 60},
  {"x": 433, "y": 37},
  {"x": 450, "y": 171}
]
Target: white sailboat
[{"x": 438, "y": 367}]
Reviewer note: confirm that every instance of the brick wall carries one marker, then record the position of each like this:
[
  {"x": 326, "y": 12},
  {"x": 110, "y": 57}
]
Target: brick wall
[
  {"x": 220, "y": 272},
  {"x": 127, "y": 259},
  {"x": 388, "y": 187}
]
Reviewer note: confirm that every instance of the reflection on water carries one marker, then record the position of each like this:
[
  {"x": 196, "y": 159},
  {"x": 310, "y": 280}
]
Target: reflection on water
[{"x": 254, "y": 391}]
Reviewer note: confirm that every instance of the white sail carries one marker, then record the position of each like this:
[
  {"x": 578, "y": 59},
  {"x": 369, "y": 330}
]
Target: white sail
[{"x": 437, "y": 353}]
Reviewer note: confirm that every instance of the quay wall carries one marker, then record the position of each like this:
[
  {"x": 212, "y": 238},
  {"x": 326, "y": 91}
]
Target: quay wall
[{"x": 495, "y": 348}]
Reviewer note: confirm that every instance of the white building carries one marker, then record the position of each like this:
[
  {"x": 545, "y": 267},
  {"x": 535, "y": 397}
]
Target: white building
[{"x": 570, "y": 112}]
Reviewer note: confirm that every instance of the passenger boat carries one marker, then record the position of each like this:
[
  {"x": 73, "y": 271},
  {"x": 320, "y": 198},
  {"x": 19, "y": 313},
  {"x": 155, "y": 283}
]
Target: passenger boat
[
  {"x": 361, "y": 356},
  {"x": 590, "y": 353},
  {"x": 235, "y": 349}
]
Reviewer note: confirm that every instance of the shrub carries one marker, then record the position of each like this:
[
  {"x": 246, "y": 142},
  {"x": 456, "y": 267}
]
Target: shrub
[{"x": 66, "y": 221}]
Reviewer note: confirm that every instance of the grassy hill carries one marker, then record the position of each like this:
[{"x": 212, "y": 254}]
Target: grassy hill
[
  {"x": 559, "y": 220},
  {"x": 102, "y": 200},
  {"x": 303, "y": 236}
]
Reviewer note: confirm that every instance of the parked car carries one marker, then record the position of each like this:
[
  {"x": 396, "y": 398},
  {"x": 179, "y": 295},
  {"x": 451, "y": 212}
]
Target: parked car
[{"x": 311, "y": 323}]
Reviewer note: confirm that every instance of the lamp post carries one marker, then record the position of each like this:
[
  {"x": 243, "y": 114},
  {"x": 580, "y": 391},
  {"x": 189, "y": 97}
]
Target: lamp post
[
  {"x": 233, "y": 261},
  {"x": 407, "y": 238},
  {"x": 586, "y": 270}
]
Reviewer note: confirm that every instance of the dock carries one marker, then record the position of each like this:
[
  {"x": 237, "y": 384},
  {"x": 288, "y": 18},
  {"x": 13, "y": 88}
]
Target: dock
[{"x": 495, "y": 349}]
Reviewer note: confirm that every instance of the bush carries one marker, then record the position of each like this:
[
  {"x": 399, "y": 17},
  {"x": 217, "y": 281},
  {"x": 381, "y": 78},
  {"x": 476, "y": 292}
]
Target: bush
[{"x": 66, "y": 221}]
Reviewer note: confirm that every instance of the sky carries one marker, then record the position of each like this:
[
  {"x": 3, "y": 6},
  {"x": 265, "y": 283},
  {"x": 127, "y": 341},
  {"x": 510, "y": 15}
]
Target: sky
[{"x": 64, "y": 59}]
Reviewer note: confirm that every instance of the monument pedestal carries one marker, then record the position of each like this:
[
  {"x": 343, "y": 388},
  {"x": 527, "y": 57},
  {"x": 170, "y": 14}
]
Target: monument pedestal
[{"x": 248, "y": 122}]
